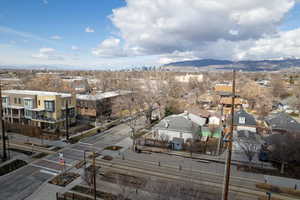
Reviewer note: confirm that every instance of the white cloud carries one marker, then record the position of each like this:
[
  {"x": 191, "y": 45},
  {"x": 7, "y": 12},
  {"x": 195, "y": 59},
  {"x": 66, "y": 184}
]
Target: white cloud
[
  {"x": 47, "y": 53},
  {"x": 285, "y": 44},
  {"x": 75, "y": 48},
  {"x": 109, "y": 48},
  {"x": 177, "y": 56},
  {"x": 189, "y": 29},
  {"x": 89, "y": 30},
  {"x": 56, "y": 37},
  {"x": 45, "y": 2}
]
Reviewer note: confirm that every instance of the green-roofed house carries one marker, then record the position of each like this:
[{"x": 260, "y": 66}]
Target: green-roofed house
[{"x": 206, "y": 132}]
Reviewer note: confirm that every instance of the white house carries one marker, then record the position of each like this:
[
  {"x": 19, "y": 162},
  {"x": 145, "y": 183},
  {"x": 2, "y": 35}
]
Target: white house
[
  {"x": 186, "y": 78},
  {"x": 185, "y": 126},
  {"x": 214, "y": 120}
]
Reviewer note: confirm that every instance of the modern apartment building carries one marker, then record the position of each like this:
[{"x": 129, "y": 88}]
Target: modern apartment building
[
  {"x": 100, "y": 105},
  {"x": 38, "y": 108}
]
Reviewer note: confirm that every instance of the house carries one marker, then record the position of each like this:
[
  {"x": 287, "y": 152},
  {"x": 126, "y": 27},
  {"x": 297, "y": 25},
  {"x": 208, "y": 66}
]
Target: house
[
  {"x": 226, "y": 102},
  {"x": 197, "y": 111},
  {"x": 185, "y": 126},
  {"x": 186, "y": 78},
  {"x": 288, "y": 104},
  {"x": 77, "y": 83},
  {"x": 223, "y": 88},
  {"x": 208, "y": 132},
  {"x": 282, "y": 123},
  {"x": 38, "y": 108},
  {"x": 101, "y": 104},
  {"x": 263, "y": 82},
  {"x": 244, "y": 121},
  {"x": 215, "y": 120}
]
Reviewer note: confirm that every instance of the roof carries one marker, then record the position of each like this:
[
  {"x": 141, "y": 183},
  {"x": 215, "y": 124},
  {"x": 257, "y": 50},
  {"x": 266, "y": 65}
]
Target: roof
[
  {"x": 282, "y": 121},
  {"x": 249, "y": 119},
  {"x": 38, "y": 93},
  {"x": 99, "y": 96},
  {"x": 228, "y": 100},
  {"x": 223, "y": 88},
  {"x": 196, "y": 110},
  {"x": 177, "y": 123},
  {"x": 289, "y": 100}
]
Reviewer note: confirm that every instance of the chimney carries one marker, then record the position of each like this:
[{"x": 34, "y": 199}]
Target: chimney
[{"x": 186, "y": 113}]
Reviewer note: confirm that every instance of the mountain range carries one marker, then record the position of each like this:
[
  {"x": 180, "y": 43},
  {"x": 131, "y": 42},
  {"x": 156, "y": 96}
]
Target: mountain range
[{"x": 246, "y": 65}]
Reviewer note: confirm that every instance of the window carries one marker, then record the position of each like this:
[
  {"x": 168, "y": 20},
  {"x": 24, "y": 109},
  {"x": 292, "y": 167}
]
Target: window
[
  {"x": 5, "y": 100},
  {"x": 242, "y": 120},
  {"x": 28, "y": 113},
  {"x": 19, "y": 100},
  {"x": 49, "y": 106},
  {"x": 39, "y": 102},
  {"x": 28, "y": 103},
  {"x": 15, "y": 100}
]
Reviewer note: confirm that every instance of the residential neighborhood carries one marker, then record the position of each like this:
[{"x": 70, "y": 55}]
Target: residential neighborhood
[
  {"x": 149, "y": 100},
  {"x": 146, "y": 121}
]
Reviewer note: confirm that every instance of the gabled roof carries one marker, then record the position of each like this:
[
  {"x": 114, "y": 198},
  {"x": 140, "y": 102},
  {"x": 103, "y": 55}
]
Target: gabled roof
[
  {"x": 249, "y": 119},
  {"x": 179, "y": 123},
  {"x": 282, "y": 121}
]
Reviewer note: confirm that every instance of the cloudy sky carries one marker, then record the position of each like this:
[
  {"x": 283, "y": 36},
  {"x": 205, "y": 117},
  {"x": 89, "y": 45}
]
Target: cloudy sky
[{"x": 114, "y": 33}]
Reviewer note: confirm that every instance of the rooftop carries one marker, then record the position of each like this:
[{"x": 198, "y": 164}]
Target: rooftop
[
  {"x": 247, "y": 119},
  {"x": 282, "y": 121},
  {"x": 103, "y": 95},
  {"x": 39, "y": 93},
  {"x": 185, "y": 122}
]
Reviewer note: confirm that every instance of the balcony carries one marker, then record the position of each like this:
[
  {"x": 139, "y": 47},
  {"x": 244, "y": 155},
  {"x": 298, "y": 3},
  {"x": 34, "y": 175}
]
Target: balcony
[{"x": 44, "y": 119}]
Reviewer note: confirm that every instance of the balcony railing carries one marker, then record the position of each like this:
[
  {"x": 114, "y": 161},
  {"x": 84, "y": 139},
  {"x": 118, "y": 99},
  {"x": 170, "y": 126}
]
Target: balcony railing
[{"x": 43, "y": 118}]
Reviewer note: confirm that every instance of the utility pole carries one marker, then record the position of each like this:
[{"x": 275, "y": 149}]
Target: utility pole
[
  {"x": 94, "y": 175},
  {"x": 2, "y": 128},
  {"x": 67, "y": 120},
  {"x": 229, "y": 146}
]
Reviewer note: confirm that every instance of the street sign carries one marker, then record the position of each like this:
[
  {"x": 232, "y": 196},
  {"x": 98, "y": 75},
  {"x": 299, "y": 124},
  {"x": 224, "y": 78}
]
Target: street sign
[{"x": 61, "y": 155}]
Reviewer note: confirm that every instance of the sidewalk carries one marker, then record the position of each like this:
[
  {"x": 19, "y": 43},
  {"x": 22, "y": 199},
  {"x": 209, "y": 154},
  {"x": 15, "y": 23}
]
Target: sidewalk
[{"x": 219, "y": 159}]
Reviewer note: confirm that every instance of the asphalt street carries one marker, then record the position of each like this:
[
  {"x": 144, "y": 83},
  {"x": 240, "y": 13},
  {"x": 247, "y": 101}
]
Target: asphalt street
[{"x": 26, "y": 180}]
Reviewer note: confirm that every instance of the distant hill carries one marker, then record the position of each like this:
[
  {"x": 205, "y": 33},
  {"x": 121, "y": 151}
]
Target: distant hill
[{"x": 246, "y": 65}]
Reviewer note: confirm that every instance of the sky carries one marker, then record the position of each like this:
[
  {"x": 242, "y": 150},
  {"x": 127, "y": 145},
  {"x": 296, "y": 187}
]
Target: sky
[{"x": 126, "y": 33}]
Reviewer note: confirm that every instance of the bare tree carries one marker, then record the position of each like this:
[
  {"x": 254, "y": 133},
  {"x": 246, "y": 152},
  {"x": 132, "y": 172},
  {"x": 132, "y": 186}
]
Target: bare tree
[
  {"x": 279, "y": 89},
  {"x": 125, "y": 192},
  {"x": 248, "y": 147},
  {"x": 284, "y": 149},
  {"x": 197, "y": 87},
  {"x": 152, "y": 95},
  {"x": 131, "y": 106}
]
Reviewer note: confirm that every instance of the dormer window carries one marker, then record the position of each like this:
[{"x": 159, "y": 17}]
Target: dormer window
[{"x": 242, "y": 120}]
